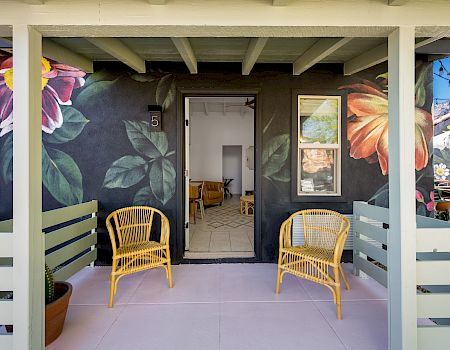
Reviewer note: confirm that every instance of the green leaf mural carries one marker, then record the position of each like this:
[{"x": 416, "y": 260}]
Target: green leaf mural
[
  {"x": 275, "y": 154},
  {"x": 131, "y": 170},
  {"x": 89, "y": 96},
  {"x": 6, "y": 154},
  {"x": 142, "y": 197},
  {"x": 146, "y": 142},
  {"x": 162, "y": 180},
  {"x": 165, "y": 91},
  {"x": 74, "y": 123},
  {"x": 125, "y": 172},
  {"x": 61, "y": 176}
]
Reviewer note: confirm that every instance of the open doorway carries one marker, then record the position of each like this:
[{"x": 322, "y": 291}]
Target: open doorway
[{"x": 219, "y": 147}]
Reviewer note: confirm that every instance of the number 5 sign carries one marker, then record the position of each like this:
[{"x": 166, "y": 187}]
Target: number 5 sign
[{"x": 155, "y": 117}]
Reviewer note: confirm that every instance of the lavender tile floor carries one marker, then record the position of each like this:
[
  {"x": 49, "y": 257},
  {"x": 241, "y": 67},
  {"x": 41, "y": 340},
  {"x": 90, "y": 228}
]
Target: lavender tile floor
[{"x": 221, "y": 306}]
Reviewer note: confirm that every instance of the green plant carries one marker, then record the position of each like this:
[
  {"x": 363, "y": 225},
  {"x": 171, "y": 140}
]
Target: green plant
[{"x": 49, "y": 285}]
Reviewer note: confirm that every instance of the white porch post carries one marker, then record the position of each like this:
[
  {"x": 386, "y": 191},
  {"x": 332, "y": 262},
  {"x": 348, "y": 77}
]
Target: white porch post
[
  {"x": 28, "y": 309},
  {"x": 402, "y": 203}
]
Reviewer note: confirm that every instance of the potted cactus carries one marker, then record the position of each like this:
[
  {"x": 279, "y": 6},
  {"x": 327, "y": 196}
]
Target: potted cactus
[{"x": 57, "y": 295}]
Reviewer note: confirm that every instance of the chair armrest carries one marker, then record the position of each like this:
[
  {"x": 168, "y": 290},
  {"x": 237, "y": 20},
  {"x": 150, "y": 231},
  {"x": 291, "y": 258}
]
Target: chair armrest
[
  {"x": 285, "y": 233},
  {"x": 339, "y": 247},
  {"x": 112, "y": 236}
]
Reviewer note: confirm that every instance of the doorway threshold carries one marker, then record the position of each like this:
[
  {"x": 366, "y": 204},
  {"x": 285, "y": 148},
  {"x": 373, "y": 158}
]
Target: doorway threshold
[{"x": 217, "y": 255}]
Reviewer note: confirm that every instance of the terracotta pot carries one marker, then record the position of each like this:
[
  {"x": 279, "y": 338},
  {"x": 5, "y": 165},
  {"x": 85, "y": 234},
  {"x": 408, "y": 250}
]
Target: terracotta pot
[{"x": 55, "y": 312}]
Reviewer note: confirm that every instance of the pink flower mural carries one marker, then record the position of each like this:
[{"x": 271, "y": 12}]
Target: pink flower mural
[{"x": 58, "y": 82}]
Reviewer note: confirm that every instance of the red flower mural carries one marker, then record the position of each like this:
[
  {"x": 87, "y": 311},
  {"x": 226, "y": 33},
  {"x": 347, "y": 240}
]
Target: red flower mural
[
  {"x": 58, "y": 82},
  {"x": 368, "y": 126}
]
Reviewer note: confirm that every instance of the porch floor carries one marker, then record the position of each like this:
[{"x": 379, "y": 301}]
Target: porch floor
[{"x": 221, "y": 306}]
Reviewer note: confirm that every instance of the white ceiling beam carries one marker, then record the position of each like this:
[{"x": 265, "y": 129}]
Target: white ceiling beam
[
  {"x": 187, "y": 54},
  {"x": 366, "y": 60},
  {"x": 254, "y": 49},
  {"x": 397, "y": 2},
  {"x": 117, "y": 48},
  {"x": 316, "y": 53},
  {"x": 34, "y": 2},
  {"x": 59, "y": 53},
  {"x": 427, "y": 41},
  {"x": 377, "y": 55},
  {"x": 280, "y": 2},
  {"x": 157, "y": 2}
]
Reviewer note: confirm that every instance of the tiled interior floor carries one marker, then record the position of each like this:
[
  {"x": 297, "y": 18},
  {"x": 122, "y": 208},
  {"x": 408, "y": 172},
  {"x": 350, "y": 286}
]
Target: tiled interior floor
[
  {"x": 223, "y": 232},
  {"x": 221, "y": 306}
]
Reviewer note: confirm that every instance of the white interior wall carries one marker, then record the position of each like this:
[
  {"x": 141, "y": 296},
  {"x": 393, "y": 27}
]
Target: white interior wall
[
  {"x": 232, "y": 167},
  {"x": 209, "y": 133}
]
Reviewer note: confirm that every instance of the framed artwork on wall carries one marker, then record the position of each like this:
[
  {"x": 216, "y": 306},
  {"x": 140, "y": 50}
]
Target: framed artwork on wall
[{"x": 317, "y": 147}]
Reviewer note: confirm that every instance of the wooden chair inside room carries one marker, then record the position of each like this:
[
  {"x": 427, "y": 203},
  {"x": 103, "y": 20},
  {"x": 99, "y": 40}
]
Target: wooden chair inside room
[
  {"x": 130, "y": 231},
  {"x": 319, "y": 258}
]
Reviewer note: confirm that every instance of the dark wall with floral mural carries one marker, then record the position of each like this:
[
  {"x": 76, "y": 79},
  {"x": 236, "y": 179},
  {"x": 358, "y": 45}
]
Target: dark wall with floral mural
[{"x": 100, "y": 146}]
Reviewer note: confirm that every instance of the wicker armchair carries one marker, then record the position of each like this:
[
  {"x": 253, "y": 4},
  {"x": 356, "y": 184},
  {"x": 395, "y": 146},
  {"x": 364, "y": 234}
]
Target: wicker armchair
[
  {"x": 133, "y": 251},
  {"x": 325, "y": 232}
]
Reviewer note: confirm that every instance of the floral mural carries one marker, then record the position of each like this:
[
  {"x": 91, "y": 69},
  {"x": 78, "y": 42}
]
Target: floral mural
[
  {"x": 367, "y": 132},
  {"x": 61, "y": 123}
]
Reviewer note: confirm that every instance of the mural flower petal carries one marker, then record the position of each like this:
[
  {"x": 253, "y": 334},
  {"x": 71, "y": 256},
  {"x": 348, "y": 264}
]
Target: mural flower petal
[
  {"x": 58, "y": 82},
  {"x": 368, "y": 124}
]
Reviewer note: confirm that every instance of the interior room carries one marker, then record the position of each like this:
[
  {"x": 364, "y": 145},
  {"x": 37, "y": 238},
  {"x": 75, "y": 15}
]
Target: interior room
[{"x": 221, "y": 174}]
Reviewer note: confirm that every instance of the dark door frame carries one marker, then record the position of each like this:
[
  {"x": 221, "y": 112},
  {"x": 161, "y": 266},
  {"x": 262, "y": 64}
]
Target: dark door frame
[{"x": 179, "y": 239}]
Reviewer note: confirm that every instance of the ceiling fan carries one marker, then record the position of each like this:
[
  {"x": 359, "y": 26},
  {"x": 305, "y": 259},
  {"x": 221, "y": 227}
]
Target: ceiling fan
[{"x": 248, "y": 103}]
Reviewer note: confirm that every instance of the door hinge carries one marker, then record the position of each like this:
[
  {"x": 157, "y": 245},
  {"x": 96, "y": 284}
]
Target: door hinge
[
  {"x": 186, "y": 121},
  {"x": 186, "y": 225},
  {"x": 186, "y": 173}
]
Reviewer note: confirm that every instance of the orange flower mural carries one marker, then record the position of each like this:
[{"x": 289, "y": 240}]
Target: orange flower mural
[{"x": 367, "y": 128}]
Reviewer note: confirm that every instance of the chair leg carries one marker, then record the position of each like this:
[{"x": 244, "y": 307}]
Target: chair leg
[
  {"x": 344, "y": 278},
  {"x": 202, "y": 209},
  {"x": 112, "y": 280},
  {"x": 279, "y": 274},
  {"x": 169, "y": 271},
  {"x": 112, "y": 290},
  {"x": 338, "y": 293}
]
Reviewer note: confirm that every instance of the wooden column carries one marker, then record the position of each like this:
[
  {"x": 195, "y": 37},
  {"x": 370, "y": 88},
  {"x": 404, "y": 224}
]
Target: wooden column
[
  {"x": 402, "y": 185},
  {"x": 28, "y": 309}
]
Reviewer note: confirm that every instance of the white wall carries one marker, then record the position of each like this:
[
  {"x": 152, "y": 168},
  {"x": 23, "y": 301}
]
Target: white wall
[
  {"x": 208, "y": 134},
  {"x": 232, "y": 167}
]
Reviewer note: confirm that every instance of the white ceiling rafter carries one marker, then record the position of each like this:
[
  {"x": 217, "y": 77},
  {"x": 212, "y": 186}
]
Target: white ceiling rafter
[
  {"x": 254, "y": 49},
  {"x": 397, "y": 2},
  {"x": 316, "y": 53},
  {"x": 187, "y": 54},
  {"x": 157, "y": 2},
  {"x": 280, "y": 2},
  {"x": 366, "y": 60},
  {"x": 117, "y": 48},
  {"x": 62, "y": 54},
  {"x": 376, "y": 55}
]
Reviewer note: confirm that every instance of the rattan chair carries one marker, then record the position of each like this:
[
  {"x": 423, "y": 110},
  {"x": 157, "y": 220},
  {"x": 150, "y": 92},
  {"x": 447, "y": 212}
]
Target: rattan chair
[
  {"x": 133, "y": 251},
  {"x": 325, "y": 232}
]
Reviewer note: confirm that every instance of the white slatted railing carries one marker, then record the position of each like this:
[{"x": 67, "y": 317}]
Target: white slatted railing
[
  {"x": 369, "y": 236},
  {"x": 433, "y": 272},
  {"x": 71, "y": 246},
  {"x": 6, "y": 284}
]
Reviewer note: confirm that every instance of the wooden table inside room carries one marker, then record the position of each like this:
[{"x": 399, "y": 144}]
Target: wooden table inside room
[{"x": 194, "y": 193}]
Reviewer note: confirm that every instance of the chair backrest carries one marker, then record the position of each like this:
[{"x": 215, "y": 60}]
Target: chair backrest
[
  {"x": 322, "y": 228},
  {"x": 134, "y": 225}
]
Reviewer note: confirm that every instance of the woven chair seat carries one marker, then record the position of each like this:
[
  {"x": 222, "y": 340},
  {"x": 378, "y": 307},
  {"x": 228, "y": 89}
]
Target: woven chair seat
[
  {"x": 139, "y": 248},
  {"x": 324, "y": 234},
  {"x": 133, "y": 251},
  {"x": 311, "y": 253}
]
